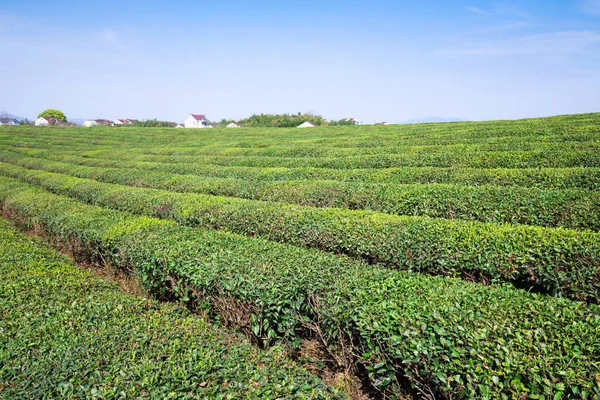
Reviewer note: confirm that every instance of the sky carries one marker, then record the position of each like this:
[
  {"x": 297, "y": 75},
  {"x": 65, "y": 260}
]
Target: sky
[{"x": 376, "y": 60}]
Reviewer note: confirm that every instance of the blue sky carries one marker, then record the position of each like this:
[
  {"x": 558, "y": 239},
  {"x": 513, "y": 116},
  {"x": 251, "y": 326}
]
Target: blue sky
[{"x": 378, "y": 59}]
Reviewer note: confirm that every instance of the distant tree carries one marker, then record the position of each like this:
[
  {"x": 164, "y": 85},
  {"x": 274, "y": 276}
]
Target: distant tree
[
  {"x": 340, "y": 122},
  {"x": 154, "y": 123},
  {"x": 52, "y": 113},
  {"x": 281, "y": 120}
]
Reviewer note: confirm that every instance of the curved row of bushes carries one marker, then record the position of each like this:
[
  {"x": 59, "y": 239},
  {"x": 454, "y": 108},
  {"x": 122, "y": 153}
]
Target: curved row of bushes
[
  {"x": 467, "y": 159},
  {"x": 534, "y": 159},
  {"x": 543, "y": 178},
  {"x": 473, "y": 158},
  {"x": 332, "y": 150},
  {"x": 558, "y": 261},
  {"x": 66, "y": 333},
  {"x": 444, "y": 337},
  {"x": 329, "y": 149},
  {"x": 575, "y": 209}
]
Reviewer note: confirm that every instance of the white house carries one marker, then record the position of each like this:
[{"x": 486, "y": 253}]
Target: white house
[
  {"x": 307, "y": 124},
  {"x": 355, "y": 121},
  {"x": 97, "y": 122},
  {"x": 42, "y": 121},
  {"x": 196, "y": 121},
  {"x": 45, "y": 121},
  {"x": 123, "y": 122},
  {"x": 234, "y": 125},
  {"x": 8, "y": 121}
]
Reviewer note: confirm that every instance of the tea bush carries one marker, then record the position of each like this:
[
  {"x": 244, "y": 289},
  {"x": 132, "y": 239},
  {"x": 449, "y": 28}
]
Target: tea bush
[
  {"x": 557, "y": 261},
  {"x": 443, "y": 336},
  {"x": 66, "y": 333},
  {"x": 576, "y": 209}
]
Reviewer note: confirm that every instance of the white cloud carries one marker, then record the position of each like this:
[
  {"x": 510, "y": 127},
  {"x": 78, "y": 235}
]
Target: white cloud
[
  {"x": 511, "y": 26},
  {"x": 502, "y": 10},
  {"x": 476, "y": 10},
  {"x": 112, "y": 38},
  {"x": 590, "y": 6},
  {"x": 556, "y": 43}
]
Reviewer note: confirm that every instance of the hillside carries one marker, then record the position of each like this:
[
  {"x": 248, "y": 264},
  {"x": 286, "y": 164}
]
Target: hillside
[{"x": 459, "y": 260}]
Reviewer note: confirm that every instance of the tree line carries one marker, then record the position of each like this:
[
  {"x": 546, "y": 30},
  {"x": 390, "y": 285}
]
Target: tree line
[{"x": 283, "y": 120}]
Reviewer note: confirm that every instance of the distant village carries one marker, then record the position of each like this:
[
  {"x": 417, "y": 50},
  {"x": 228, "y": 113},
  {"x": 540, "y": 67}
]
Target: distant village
[{"x": 192, "y": 121}]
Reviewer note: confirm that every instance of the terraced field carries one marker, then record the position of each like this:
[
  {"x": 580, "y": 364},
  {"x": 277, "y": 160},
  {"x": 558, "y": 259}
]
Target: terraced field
[{"x": 454, "y": 260}]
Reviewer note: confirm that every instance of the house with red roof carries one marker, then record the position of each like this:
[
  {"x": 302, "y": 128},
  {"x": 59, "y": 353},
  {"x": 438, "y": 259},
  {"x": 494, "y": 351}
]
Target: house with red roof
[
  {"x": 124, "y": 122},
  {"x": 196, "y": 121},
  {"x": 8, "y": 121},
  {"x": 355, "y": 121},
  {"x": 48, "y": 121},
  {"x": 98, "y": 122}
]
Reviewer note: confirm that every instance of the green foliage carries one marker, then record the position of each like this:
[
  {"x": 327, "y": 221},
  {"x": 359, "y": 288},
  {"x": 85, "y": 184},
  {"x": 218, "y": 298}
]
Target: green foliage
[
  {"x": 347, "y": 122},
  {"x": 152, "y": 123},
  {"x": 543, "y": 178},
  {"x": 69, "y": 334},
  {"x": 52, "y": 113},
  {"x": 556, "y": 261},
  {"x": 278, "y": 120},
  {"x": 284, "y": 120},
  {"x": 471, "y": 158},
  {"x": 442, "y": 336},
  {"x": 445, "y": 336},
  {"x": 576, "y": 209}
]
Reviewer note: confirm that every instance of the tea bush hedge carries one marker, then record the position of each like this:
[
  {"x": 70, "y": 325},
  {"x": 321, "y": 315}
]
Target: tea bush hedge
[
  {"x": 65, "y": 333},
  {"x": 575, "y": 209},
  {"x": 548, "y": 178},
  {"x": 445, "y": 337},
  {"x": 558, "y": 261},
  {"x": 467, "y": 159}
]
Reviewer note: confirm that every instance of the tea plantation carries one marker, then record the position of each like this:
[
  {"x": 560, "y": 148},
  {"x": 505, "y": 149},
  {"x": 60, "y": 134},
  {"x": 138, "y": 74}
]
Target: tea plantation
[{"x": 451, "y": 260}]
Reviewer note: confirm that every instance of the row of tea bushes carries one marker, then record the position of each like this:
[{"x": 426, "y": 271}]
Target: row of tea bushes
[
  {"x": 66, "y": 333},
  {"x": 543, "y": 178},
  {"x": 466, "y": 159},
  {"x": 575, "y": 209},
  {"x": 330, "y": 149},
  {"x": 557, "y": 261},
  {"x": 333, "y": 150},
  {"x": 445, "y": 337}
]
